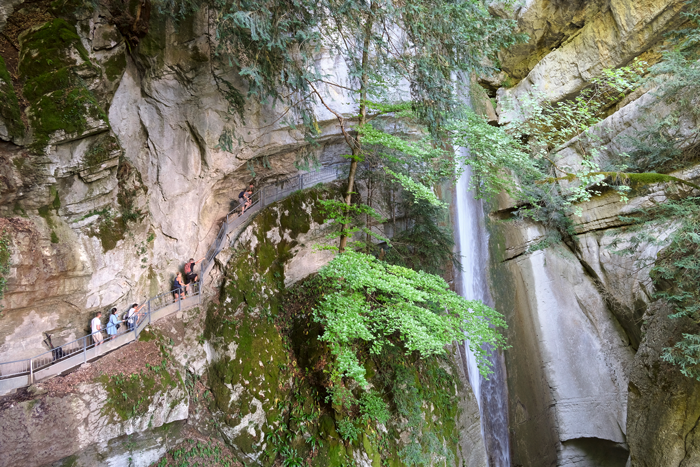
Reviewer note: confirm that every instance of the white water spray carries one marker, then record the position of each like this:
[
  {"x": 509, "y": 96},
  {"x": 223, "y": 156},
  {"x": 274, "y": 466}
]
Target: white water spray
[
  {"x": 491, "y": 394},
  {"x": 470, "y": 241}
]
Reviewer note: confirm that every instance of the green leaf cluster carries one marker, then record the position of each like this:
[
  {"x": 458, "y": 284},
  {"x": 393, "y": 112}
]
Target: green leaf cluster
[
  {"x": 380, "y": 305},
  {"x": 5, "y": 256}
]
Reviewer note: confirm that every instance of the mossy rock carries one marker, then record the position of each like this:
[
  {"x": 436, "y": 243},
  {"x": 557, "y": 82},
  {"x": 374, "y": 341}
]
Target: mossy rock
[
  {"x": 269, "y": 351},
  {"x": 10, "y": 114},
  {"x": 49, "y": 48},
  {"x": 101, "y": 150},
  {"x": 36, "y": 87},
  {"x": 251, "y": 380},
  {"x": 152, "y": 47},
  {"x": 110, "y": 231},
  {"x": 74, "y": 111},
  {"x": 115, "y": 66},
  {"x": 131, "y": 395},
  {"x": 50, "y": 58}
]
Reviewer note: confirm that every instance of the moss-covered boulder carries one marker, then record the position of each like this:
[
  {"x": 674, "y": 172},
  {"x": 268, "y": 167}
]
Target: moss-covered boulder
[
  {"x": 11, "y": 125},
  {"x": 269, "y": 366},
  {"x": 54, "y": 65}
]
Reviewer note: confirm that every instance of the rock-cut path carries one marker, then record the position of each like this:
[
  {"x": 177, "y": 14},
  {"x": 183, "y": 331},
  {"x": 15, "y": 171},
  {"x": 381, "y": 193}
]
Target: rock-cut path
[{"x": 21, "y": 373}]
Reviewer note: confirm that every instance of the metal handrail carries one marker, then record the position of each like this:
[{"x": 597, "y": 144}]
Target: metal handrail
[
  {"x": 261, "y": 198},
  {"x": 87, "y": 342},
  {"x": 264, "y": 197}
]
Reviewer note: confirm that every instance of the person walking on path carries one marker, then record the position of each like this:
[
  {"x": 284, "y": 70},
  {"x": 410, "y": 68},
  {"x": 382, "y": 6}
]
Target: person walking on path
[
  {"x": 248, "y": 197},
  {"x": 190, "y": 276},
  {"x": 244, "y": 197},
  {"x": 113, "y": 323},
  {"x": 96, "y": 325},
  {"x": 132, "y": 317},
  {"x": 179, "y": 287}
]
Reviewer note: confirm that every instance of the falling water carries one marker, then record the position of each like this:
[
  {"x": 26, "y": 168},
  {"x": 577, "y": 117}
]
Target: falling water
[{"x": 491, "y": 394}]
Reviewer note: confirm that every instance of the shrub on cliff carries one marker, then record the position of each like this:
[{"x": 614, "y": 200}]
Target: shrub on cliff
[{"x": 382, "y": 305}]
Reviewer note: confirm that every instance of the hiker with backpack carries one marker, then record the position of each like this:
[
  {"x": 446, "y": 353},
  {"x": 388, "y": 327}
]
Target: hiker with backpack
[{"x": 190, "y": 276}]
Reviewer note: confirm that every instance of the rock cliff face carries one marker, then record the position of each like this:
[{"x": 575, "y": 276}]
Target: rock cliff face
[
  {"x": 586, "y": 385},
  {"x": 246, "y": 370},
  {"x": 112, "y": 174},
  {"x": 112, "y": 170}
]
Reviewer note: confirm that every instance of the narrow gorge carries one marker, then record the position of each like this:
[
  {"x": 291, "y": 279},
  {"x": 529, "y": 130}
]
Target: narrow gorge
[{"x": 471, "y": 238}]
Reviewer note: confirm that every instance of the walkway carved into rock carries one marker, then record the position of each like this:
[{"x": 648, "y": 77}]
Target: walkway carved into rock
[{"x": 21, "y": 373}]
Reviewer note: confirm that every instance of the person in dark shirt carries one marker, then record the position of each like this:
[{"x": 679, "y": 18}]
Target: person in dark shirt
[{"x": 179, "y": 287}]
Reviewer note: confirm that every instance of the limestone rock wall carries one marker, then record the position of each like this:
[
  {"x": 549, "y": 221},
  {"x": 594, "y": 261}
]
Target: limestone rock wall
[
  {"x": 116, "y": 411},
  {"x": 117, "y": 176},
  {"x": 572, "y": 42},
  {"x": 585, "y": 381}
]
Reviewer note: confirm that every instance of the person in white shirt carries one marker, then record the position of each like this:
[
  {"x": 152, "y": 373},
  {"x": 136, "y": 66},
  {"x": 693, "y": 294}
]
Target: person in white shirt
[
  {"x": 96, "y": 325},
  {"x": 132, "y": 317}
]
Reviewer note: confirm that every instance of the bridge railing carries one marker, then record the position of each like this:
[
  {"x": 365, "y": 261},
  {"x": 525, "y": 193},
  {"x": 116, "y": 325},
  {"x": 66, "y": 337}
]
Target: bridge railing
[
  {"x": 21, "y": 372},
  {"x": 264, "y": 197},
  {"x": 83, "y": 344}
]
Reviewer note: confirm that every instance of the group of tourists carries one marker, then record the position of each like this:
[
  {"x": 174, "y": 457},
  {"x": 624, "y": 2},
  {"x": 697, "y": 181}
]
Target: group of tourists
[
  {"x": 130, "y": 319},
  {"x": 182, "y": 285}
]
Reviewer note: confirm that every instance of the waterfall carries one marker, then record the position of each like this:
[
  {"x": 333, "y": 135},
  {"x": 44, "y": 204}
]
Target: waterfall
[{"x": 491, "y": 394}]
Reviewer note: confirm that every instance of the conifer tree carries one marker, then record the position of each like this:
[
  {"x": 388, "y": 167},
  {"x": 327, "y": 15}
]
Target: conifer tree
[{"x": 387, "y": 45}]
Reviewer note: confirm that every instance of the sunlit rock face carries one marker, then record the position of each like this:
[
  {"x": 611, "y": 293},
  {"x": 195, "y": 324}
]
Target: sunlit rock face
[
  {"x": 572, "y": 42},
  {"x": 118, "y": 176},
  {"x": 585, "y": 380}
]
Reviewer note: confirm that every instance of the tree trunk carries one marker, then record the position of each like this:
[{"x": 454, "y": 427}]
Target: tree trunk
[{"x": 356, "y": 149}]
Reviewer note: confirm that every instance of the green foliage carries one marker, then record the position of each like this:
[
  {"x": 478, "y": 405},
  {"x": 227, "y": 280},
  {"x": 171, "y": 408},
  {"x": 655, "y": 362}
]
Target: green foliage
[
  {"x": 348, "y": 430},
  {"x": 495, "y": 156},
  {"x": 355, "y": 414},
  {"x": 676, "y": 269},
  {"x": 338, "y": 214},
  {"x": 423, "y": 445},
  {"x": 379, "y": 305},
  {"x": 425, "y": 245},
  {"x": 196, "y": 452},
  {"x": 685, "y": 355},
  {"x": 5, "y": 256},
  {"x": 550, "y": 125},
  {"x": 9, "y": 105},
  {"x": 676, "y": 81},
  {"x": 373, "y": 408},
  {"x": 666, "y": 144},
  {"x": 176, "y": 9},
  {"x": 521, "y": 158},
  {"x": 275, "y": 45}
]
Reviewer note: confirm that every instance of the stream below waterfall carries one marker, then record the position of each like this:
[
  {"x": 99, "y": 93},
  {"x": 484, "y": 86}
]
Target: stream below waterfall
[{"x": 472, "y": 246}]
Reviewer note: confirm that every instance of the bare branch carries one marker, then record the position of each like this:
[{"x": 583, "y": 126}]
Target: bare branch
[{"x": 348, "y": 139}]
